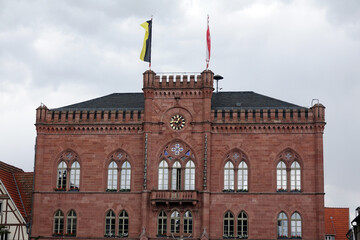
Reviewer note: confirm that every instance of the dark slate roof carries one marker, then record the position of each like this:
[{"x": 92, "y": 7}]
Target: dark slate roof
[
  {"x": 248, "y": 100},
  {"x": 222, "y": 100}
]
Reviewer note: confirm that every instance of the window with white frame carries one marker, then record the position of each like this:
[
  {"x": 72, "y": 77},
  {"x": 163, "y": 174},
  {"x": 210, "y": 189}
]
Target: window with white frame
[
  {"x": 281, "y": 176},
  {"x": 188, "y": 222},
  {"x": 282, "y": 225},
  {"x": 296, "y": 225},
  {"x": 112, "y": 176},
  {"x": 75, "y": 176},
  {"x": 58, "y": 222},
  {"x": 71, "y": 223},
  {"x": 123, "y": 224},
  {"x": 295, "y": 173},
  {"x": 242, "y": 226},
  {"x": 176, "y": 176},
  {"x": 175, "y": 222},
  {"x": 125, "y": 176},
  {"x": 162, "y": 223},
  {"x": 229, "y": 176},
  {"x": 228, "y": 225},
  {"x": 61, "y": 176},
  {"x": 163, "y": 175},
  {"x": 242, "y": 176},
  {"x": 110, "y": 224},
  {"x": 190, "y": 175}
]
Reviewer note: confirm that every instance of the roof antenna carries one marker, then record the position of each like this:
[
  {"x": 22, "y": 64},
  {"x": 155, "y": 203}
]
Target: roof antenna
[{"x": 217, "y": 79}]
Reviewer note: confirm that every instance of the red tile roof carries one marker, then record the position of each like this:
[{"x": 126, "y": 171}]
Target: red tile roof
[
  {"x": 337, "y": 222},
  {"x": 19, "y": 185}
]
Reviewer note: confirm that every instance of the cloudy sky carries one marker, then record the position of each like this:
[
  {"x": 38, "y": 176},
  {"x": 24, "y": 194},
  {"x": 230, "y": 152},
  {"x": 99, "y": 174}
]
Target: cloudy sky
[{"x": 63, "y": 52}]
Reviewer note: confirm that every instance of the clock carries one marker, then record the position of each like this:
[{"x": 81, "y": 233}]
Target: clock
[{"x": 177, "y": 122}]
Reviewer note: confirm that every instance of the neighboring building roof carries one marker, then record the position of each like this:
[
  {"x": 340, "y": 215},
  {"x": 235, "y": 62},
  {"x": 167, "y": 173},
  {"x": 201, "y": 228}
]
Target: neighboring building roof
[
  {"x": 19, "y": 185},
  {"x": 337, "y": 222},
  {"x": 221, "y": 100}
]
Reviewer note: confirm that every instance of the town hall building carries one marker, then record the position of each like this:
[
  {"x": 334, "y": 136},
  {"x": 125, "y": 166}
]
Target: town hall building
[{"x": 179, "y": 161}]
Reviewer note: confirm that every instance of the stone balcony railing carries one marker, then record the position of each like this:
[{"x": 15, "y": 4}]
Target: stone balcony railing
[{"x": 174, "y": 196}]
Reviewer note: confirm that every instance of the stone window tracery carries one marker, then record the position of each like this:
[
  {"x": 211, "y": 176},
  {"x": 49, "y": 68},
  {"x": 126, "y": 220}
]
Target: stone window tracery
[
  {"x": 281, "y": 176},
  {"x": 61, "y": 176},
  {"x": 229, "y": 176},
  {"x": 68, "y": 172},
  {"x": 236, "y": 161},
  {"x": 288, "y": 172},
  {"x": 188, "y": 222},
  {"x": 243, "y": 176},
  {"x": 180, "y": 157},
  {"x": 114, "y": 172},
  {"x": 75, "y": 176},
  {"x": 228, "y": 225},
  {"x": 112, "y": 176},
  {"x": 175, "y": 222},
  {"x": 295, "y": 174}
]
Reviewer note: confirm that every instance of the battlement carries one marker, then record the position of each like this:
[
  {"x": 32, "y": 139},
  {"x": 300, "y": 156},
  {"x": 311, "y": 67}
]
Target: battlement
[
  {"x": 45, "y": 115},
  {"x": 302, "y": 115},
  {"x": 178, "y": 80}
]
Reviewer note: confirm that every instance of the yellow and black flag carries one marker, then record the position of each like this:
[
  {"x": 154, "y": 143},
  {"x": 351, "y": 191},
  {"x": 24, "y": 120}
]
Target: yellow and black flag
[{"x": 145, "y": 54}]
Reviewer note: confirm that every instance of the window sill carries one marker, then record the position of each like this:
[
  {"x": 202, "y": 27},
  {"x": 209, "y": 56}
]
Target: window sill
[{"x": 242, "y": 190}]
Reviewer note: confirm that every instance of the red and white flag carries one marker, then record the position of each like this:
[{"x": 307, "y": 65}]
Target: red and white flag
[{"x": 208, "y": 44}]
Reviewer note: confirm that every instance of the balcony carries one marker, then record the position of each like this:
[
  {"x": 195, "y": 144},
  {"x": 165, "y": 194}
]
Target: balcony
[{"x": 173, "y": 197}]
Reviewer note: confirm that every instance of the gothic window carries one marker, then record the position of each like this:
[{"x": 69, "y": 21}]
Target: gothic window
[
  {"x": 163, "y": 175},
  {"x": 110, "y": 224},
  {"x": 75, "y": 175},
  {"x": 71, "y": 223},
  {"x": 176, "y": 176},
  {"x": 281, "y": 176},
  {"x": 242, "y": 176},
  {"x": 282, "y": 225},
  {"x": 123, "y": 224},
  {"x": 61, "y": 175},
  {"x": 190, "y": 175},
  {"x": 162, "y": 219},
  {"x": 229, "y": 176},
  {"x": 228, "y": 225},
  {"x": 125, "y": 175},
  {"x": 295, "y": 174},
  {"x": 175, "y": 222},
  {"x": 296, "y": 225},
  {"x": 242, "y": 225},
  {"x": 59, "y": 222},
  {"x": 188, "y": 222},
  {"x": 112, "y": 176}
]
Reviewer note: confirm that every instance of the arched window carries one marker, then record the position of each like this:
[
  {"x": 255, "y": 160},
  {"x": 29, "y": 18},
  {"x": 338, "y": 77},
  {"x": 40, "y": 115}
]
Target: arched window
[
  {"x": 71, "y": 223},
  {"x": 75, "y": 175},
  {"x": 296, "y": 225},
  {"x": 123, "y": 224},
  {"x": 112, "y": 176},
  {"x": 229, "y": 224},
  {"x": 282, "y": 225},
  {"x": 188, "y": 222},
  {"x": 281, "y": 176},
  {"x": 243, "y": 176},
  {"x": 61, "y": 176},
  {"x": 175, "y": 222},
  {"x": 295, "y": 174},
  {"x": 162, "y": 219},
  {"x": 110, "y": 224},
  {"x": 176, "y": 176},
  {"x": 229, "y": 176},
  {"x": 59, "y": 222},
  {"x": 242, "y": 225},
  {"x": 190, "y": 175},
  {"x": 125, "y": 175},
  {"x": 163, "y": 176}
]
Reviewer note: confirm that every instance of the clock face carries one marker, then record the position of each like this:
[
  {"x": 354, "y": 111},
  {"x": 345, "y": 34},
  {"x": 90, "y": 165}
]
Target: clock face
[{"x": 177, "y": 122}]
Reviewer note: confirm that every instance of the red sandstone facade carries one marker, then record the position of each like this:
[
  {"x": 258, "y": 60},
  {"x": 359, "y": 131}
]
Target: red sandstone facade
[{"x": 259, "y": 137}]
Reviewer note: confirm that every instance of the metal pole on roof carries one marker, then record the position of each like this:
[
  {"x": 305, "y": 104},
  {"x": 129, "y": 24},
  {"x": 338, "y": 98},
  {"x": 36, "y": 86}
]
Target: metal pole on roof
[{"x": 217, "y": 79}]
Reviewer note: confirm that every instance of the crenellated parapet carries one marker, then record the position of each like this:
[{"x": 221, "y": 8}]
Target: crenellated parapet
[
  {"x": 269, "y": 120},
  {"x": 49, "y": 116},
  {"x": 167, "y": 85}
]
